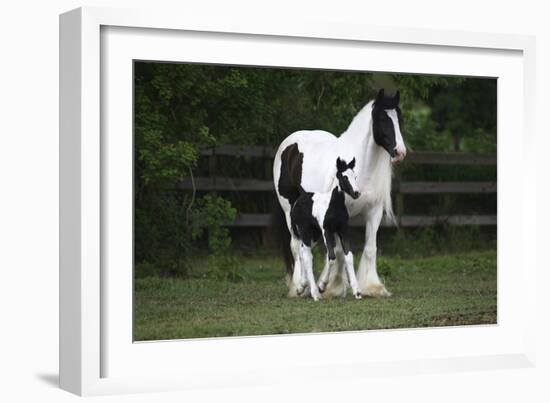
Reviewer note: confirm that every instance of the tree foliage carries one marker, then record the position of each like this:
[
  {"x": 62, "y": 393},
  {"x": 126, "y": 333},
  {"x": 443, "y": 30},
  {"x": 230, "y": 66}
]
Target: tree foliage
[{"x": 183, "y": 108}]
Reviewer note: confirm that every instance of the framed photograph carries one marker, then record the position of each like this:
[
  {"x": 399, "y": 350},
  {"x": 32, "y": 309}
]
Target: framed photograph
[{"x": 240, "y": 198}]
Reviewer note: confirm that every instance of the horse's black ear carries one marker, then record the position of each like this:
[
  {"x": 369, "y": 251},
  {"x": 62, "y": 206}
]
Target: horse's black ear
[
  {"x": 396, "y": 98},
  {"x": 351, "y": 165},
  {"x": 340, "y": 165},
  {"x": 380, "y": 95}
]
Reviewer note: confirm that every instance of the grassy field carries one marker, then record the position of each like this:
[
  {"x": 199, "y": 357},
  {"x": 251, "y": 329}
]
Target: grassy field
[{"x": 435, "y": 291}]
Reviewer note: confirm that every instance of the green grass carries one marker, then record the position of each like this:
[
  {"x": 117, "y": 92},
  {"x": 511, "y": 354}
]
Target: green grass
[{"x": 435, "y": 291}]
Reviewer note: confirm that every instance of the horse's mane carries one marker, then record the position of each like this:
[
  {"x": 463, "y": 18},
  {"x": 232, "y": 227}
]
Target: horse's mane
[
  {"x": 381, "y": 176},
  {"x": 361, "y": 121}
]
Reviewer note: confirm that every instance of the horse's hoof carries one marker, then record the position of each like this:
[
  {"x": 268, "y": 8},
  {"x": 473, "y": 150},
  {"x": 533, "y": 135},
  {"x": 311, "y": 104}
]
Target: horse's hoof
[
  {"x": 358, "y": 295},
  {"x": 376, "y": 290},
  {"x": 315, "y": 295},
  {"x": 321, "y": 288}
]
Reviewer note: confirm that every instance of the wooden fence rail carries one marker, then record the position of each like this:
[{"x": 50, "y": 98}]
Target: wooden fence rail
[
  {"x": 257, "y": 185},
  {"x": 418, "y": 157},
  {"x": 220, "y": 183},
  {"x": 263, "y": 220}
]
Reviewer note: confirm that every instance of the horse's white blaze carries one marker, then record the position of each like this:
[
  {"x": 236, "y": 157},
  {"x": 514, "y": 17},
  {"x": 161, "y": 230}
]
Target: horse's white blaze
[{"x": 399, "y": 143}]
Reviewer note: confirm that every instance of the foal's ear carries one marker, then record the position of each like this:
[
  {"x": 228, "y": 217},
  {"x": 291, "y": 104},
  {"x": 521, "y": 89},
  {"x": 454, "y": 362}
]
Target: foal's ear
[
  {"x": 380, "y": 95},
  {"x": 351, "y": 165},
  {"x": 341, "y": 165},
  {"x": 396, "y": 98}
]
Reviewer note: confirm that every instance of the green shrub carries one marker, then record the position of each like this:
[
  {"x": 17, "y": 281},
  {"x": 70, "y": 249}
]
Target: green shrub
[
  {"x": 434, "y": 240},
  {"x": 384, "y": 268},
  {"x": 211, "y": 213},
  {"x": 146, "y": 269}
]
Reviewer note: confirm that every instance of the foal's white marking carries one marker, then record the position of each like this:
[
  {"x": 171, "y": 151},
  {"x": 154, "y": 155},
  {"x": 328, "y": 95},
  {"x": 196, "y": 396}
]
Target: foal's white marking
[{"x": 320, "y": 206}]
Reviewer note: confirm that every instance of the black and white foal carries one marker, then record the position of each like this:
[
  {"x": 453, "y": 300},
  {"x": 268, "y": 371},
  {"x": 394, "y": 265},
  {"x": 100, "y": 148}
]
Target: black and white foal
[{"x": 324, "y": 215}]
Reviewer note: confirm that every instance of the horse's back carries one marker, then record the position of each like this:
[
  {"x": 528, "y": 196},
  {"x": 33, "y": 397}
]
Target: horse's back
[
  {"x": 309, "y": 138},
  {"x": 295, "y": 156},
  {"x": 313, "y": 148}
]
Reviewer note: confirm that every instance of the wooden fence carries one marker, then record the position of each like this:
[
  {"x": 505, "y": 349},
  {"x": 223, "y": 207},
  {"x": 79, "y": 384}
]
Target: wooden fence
[{"x": 400, "y": 188}]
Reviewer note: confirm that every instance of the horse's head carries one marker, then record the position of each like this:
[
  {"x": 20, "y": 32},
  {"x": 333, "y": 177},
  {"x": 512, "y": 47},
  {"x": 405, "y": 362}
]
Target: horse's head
[
  {"x": 386, "y": 121},
  {"x": 346, "y": 177}
]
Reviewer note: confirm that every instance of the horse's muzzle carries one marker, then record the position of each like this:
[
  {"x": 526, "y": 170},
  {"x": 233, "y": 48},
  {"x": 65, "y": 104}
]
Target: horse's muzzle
[
  {"x": 356, "y": 195},
  {"x": 398, "y": 156}
]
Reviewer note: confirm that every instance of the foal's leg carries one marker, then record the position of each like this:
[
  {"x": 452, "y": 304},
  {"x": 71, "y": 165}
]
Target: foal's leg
[
  {"x": 351, "y": 275},
  {"x": 348, "y": 266},
  {"x": 329, "y": 260},
  {"x": 306, "y": 260},
  {"x": 323, "y": 278},
  {"x": 369, "y": 282},
  {"x": 332, "y": 281}
]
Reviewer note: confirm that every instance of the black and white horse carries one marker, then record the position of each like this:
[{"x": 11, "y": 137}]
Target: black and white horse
[
  {"x": 316, "y": 216},
  {"x": 306, "y": 159}
]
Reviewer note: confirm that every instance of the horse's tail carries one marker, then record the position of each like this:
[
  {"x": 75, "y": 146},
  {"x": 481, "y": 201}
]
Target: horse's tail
[{"x": 282, "y": 236}]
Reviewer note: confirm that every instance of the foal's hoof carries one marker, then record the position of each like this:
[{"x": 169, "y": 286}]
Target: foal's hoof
[
  {"x": 358, "y": 295},
  {"x": 321, "y": 288},
  {"x": 300, "y": 290}
]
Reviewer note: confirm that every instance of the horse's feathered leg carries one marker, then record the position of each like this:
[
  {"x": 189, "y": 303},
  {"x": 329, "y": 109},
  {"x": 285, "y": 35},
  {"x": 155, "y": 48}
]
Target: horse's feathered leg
[
  {"x": 369, "y": 282},
  {"x": 297, "y": 280},
  {"x": 337, "y": 283}
]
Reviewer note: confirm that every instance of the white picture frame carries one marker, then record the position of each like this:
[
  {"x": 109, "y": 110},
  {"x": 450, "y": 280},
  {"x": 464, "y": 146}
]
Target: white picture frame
[{"x": 96, "y": 354}]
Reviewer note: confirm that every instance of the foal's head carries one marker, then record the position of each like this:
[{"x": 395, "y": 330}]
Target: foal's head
[
  {"x": 386, "y": 125},
  {"x": 346, "y": 177}
]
